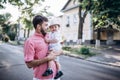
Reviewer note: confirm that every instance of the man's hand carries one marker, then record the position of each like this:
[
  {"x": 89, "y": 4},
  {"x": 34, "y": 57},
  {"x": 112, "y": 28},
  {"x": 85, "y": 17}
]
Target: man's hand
[{"x": 34, "y": 63}]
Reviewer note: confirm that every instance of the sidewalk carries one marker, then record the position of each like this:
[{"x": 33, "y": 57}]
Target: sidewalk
[{"x": 109, "y": 55}]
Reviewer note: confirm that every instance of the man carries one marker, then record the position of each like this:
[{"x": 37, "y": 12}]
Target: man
[{"x": 36, "y": 50}]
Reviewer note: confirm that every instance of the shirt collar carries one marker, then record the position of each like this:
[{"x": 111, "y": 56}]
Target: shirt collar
[{"x": 38, "y": 34}]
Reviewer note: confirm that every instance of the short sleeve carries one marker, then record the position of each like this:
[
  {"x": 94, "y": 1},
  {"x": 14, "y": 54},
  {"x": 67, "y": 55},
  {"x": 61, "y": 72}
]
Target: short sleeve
[{"x": 28, "y": 51}]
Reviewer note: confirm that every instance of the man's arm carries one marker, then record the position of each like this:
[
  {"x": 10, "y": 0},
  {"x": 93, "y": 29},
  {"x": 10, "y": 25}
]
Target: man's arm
[{"x": 35, "y": 63}]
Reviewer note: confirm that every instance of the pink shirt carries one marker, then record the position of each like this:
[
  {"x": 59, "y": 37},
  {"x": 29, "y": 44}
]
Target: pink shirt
[{"x": 36, "y": 48}]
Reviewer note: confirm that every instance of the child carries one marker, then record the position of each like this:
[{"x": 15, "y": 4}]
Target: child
[{"x": 54, "y": 41}]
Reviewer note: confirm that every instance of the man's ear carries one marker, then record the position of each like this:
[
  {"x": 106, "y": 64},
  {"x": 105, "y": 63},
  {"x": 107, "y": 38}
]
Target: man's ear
[{"x": 38, "y": 26}]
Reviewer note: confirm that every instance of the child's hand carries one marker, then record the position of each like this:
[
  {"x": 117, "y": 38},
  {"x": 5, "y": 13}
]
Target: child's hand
[
  {"x": 51, "y": 55},
  {"x": 46, "y": 40}
]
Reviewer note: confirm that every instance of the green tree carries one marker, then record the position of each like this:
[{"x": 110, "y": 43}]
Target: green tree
[
  {"x": 4, "y": 18},
  {"x": 4, "y": 22},
  {"x": 27, "y": 13},
  {"x": 84, "y": 7},
  {"x": 106, "y": 14},
  {"x": 26, "y": 8},
  {"x": 12, "y": 31},
  {"x": 103, "y": 12},
  {"x": 4, "y": 26}
]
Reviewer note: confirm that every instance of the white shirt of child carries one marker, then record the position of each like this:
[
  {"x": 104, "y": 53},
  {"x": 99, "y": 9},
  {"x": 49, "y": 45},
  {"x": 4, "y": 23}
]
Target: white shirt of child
[{"x": 55, "y": 35}]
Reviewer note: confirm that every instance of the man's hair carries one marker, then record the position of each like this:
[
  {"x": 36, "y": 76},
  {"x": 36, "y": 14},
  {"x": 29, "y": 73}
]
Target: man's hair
[{"x": 39, "y": 20}]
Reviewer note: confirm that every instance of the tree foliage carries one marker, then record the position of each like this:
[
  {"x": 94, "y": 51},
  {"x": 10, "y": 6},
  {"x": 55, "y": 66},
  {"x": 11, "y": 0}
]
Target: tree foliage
[
  {"x": 27, "y": 13},
  {"x": 26, "y": 9},
  {"x": 4, "y": 22},
  {"x": 4, "y": 18},
  {"x": 105, "y": 12}
]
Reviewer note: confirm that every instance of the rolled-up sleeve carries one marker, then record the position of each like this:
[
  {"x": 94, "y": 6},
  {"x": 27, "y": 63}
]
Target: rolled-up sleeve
[{"x": 28, "y": 51}]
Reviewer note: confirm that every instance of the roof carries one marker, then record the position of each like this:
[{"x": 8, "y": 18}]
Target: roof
[
  {"x": 72, "y": 7},
  {"x": 66, "y": 4}
]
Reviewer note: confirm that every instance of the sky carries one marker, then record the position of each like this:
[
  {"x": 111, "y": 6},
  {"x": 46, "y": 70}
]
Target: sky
[{"x": 55, "y": 7}]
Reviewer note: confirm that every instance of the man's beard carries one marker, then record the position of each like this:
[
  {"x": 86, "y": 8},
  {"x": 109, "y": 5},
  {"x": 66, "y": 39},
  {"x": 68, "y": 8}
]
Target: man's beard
[{"x": 43, "y": 32}]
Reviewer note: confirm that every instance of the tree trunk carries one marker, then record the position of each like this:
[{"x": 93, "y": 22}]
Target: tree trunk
[
  {"x": 24, "y": 33},
  {"x": 80, "y": 27},
  {"x": 28, "y": 33}
]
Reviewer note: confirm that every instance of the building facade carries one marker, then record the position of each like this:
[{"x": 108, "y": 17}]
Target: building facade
[
  {"x": 69, "y": 27},
  {"x": 69, "y": 23}
]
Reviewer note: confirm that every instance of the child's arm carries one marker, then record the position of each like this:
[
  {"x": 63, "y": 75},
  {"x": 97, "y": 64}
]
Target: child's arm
[
  {"x": 56, "y": 38},
  {"x": 51, "y": 41},
  {"x": 58, "y": 53},
  {"x": 48, "y": 40}
]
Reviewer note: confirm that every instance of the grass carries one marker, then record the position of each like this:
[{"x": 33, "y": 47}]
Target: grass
[{"x": 83, "y": 52}]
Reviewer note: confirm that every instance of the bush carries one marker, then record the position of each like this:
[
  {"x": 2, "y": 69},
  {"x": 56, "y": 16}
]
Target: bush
[
  {"x": 5, "y": 38},
  {"x": 84, "y": 50},
  {"x": 67, "y": 48},
  {"x": 12, "y": 35}
]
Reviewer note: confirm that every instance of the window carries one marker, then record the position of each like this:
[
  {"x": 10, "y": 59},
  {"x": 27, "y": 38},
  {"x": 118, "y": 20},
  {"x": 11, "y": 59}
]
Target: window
[
  {"x": 68, "y": 21},
  {"x": 75, "y": 18}
]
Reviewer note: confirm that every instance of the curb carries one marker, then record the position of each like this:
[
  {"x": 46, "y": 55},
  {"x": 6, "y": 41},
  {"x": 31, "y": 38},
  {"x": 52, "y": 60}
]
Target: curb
[{"x": 99, "y": 62}]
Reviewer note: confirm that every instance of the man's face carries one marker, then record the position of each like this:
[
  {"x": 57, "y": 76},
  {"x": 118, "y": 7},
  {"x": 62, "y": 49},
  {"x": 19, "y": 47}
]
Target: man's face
[
  {"x": 42, "y": 28},
  {"x": 45, "y": 26}
]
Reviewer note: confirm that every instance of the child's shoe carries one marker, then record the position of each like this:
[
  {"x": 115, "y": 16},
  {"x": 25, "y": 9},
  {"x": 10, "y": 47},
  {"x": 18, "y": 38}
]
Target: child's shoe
[
  {"x": 47, "y": 72},
  {"x": 58, "y": 75}
]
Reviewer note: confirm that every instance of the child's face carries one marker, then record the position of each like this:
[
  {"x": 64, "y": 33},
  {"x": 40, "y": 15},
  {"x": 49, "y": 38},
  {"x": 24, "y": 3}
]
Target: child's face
[{"x": 53, "y": 28}]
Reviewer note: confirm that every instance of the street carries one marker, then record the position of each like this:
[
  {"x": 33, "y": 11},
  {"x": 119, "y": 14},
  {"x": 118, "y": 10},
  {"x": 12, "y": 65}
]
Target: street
[{"x": 12, "y": 67}]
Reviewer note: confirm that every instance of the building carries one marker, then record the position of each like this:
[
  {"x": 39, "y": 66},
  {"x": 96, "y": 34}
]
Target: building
[
  {"x": 69, "y": 23},
  {"x": 69, "y": 27}
]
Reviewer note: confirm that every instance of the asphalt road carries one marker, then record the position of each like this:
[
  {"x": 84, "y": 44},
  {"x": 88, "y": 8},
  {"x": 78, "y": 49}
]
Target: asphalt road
[{"x": 12, "y": 67}]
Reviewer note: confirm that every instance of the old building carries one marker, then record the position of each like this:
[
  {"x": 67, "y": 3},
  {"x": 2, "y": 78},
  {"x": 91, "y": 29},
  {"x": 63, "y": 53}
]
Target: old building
[
  {"x": 69, "y": 23},
  {"x": 69, "y": 27}
]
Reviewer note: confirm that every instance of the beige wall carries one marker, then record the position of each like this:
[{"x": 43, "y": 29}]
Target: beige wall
[{"x": 71, "y": 32}]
